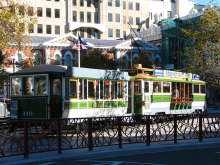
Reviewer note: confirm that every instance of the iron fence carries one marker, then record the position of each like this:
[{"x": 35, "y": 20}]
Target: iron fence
[{"x": 23, "y": 137}]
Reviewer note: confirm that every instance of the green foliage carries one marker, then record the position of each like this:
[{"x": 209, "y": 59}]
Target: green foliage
[
  {"x": 95, "y": 59},
  {"x": 203, "y": 52}
]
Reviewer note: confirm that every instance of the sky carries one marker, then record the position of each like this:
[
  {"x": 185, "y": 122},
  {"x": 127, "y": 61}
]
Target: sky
[{"x": 205, "y": 2}]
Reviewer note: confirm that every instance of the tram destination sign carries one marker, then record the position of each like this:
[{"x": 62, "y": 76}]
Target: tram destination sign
[
  {"x": 99, "y": 74},
  {"x": 169, "y": 73}
]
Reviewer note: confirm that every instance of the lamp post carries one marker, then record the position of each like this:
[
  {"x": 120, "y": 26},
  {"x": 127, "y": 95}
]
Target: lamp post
[{"x": 78, "y": 49}]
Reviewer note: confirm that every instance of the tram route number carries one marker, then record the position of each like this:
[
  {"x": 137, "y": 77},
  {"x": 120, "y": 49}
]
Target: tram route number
[{"x": 115, "y": 75}]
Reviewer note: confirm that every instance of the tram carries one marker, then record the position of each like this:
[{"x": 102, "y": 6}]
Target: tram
[
  {"x": 156, "y": 91},
  {"x": 55, "y": 91}
]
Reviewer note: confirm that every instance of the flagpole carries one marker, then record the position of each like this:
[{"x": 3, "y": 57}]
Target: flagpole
[{"x": 78, "y": 44}]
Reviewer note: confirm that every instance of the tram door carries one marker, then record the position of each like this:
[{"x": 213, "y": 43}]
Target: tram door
[
  {"x": 55, "y": 109},
  {"x": 146, "y": 97}
]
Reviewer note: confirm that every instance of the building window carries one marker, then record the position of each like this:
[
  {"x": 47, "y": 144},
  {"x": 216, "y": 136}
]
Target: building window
[
  {"x": 118, "y": 33},
  {"x": 57, "y": 29},
  {"x": 57, "y": 13},
  {"x": 74, "y": 2},
  {"x": 137, "y": 20},
  {"x": 56, "y": 0},
  {"x": 39, "y": 28},
  {"x": 81, "y": 16},
  {"x": 137, "y": 6},
  {"x": 81, "y": 3},
  {"x": 109, "y": 2},
  {"x": 124, "y": 34},
  {"x": 31, "y": 28},
  {"x": 74, "y": 16},
  {"x": 89, "y": 17},
  {"x": 30, "y": 11},
  {"x": 48, "y": 29},
  {"x": 124, "y": 4},
  {"x": 169, "y": 14},
  {"x": 81, "y": 32},
  {"x": 21, "y": 10},
  {"x": 110, "y": 32},
  {"x": 130, "y": 5},
  {"x": 130, "y": 20},
  {"x": 89, "y": 2},
  {"x": 96, "y": 17},
  {"x": 39, "y": 12},
  {"x": 117, "y": 17},
  {"x": 117, "y": 3},
  {"x": 48, "y": 12},
  {"x": 110, "y": 19}
]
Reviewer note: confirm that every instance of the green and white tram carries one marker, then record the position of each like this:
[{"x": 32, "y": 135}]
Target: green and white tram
[
  {"x": 165, "y": 92},
  {"x": 52, "y": 91}
]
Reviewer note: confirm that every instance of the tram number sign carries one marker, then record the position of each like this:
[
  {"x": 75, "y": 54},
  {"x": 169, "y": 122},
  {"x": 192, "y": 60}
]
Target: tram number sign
[{"x": 114, "y": 75}]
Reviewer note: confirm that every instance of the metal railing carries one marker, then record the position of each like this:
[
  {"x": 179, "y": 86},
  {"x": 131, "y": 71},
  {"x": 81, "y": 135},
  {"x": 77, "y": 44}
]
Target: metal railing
[{"x": 23, "y": 137}]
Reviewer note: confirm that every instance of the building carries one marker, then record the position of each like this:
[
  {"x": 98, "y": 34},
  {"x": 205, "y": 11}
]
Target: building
[{"x": 102, "y": 19}]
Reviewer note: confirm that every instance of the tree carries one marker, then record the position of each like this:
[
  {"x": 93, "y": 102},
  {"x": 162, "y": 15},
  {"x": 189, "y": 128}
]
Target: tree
[
  {"x": 95, "y": 59},
  {"x": 14, "y": 18},
  {"x": 203, "y": 50}
]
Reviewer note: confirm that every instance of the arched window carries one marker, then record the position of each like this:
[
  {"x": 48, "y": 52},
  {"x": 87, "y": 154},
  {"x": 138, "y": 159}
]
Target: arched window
[
  {"x": 58, "y": 59},
  {"x": 68, "y": 59}
]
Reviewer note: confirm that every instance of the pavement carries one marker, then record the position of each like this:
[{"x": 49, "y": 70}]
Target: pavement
[{"x": 101, "y": 152}]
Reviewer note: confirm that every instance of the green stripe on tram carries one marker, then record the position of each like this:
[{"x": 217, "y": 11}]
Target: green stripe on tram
[
  {"x": 98, "y": 104},
  {"x": 199, "y": 98},
  {"x": 160, "y": 98}
]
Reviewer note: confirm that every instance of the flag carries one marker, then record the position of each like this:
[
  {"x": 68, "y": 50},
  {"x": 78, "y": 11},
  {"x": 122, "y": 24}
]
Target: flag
[
  {"x": 75, "y": 47},
  {"x": 82, "y": 43}
]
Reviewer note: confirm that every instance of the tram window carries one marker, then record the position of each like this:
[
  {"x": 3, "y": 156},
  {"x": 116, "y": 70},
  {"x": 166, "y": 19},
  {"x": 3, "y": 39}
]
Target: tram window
[
  {"x": 28, "y": 86},
  {"x": 196, "y": 88},
  {"x": 156, "y": 87},
  {"x": 81, "y": 89},
  {"x": 166, "y": 87},
  {"x": 56, "y": 87},
  {"x": 40, "y": 86},
  {"x": 16, "y": 86},
  {"x": 97, "y": 89},
  {"x": 120, "y": 89},
  {"x": 91, "y": 89},
  {"x": 106, "y": 89},
  {"x": 73, "y": 89},
  {"x": 146, "y": 87},
  {"x": 202, "y": 88},
  {"x": 114, "y": 90},
  {"x": 85, "y": 89},
  {"x": 137, "y": 87},
  {"x": 101, "y": 89}
]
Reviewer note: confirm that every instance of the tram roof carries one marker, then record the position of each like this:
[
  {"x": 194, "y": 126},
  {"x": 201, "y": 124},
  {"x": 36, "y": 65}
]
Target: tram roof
[{"x": 44, "y": 68}]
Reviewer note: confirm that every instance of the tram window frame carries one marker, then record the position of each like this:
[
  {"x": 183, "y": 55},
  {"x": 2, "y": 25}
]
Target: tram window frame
[
  {"x": 146, "y": 90},
  {"x": 56, "y": 91},
  {"x": 85, "y": 87},
  {"x": 164, "y": 87},
  {"x": 97, "y": 89},
  {"x": 25, "y": 84},
  {"x": 19, "y": 85},
  {"x": 197, "y": 89},
  {"x": 114, "y": 89},
  {"x": 202, "y": 88},
  {"x": 121, "y": 87},
  {"x": 155, "y": 85},
  {"x": 107, "y": 88},
  {"x": 137, "y": 87},
  {"x": 91, "y": 91},
  {"x": 81, "y": 89},
  {"x": 42, "y": 93},
  {"x": 70, "y": 90},
  {"x": 101, "y": 87}
]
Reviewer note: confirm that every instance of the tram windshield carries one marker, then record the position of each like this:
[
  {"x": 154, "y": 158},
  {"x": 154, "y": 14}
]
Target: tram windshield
[{"x": 29, "y": 86}]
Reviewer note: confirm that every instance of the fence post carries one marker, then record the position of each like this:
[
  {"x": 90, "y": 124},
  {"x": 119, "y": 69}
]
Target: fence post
[
  {"x": 26, "y": 147},
  {"x": 59, "y": 140},
  {"x": 119, "y": 132},
  {"x": 175, "y": 129},
  {"x": 148, "y": 130},
  {"x": 90, "y": 141},
  {"x": 200, "y": 128}
]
